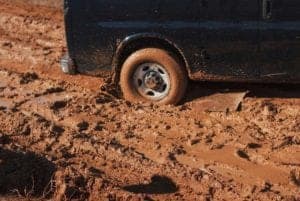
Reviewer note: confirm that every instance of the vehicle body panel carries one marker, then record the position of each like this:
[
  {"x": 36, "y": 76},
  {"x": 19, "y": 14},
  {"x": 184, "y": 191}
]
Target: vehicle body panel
[
  {"x": 220, "y": 40},
  {"x": 280, "y": 41}
]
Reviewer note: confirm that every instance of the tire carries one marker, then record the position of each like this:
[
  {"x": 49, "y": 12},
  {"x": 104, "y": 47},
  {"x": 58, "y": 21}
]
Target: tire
[{"x": 173, "y": 75}]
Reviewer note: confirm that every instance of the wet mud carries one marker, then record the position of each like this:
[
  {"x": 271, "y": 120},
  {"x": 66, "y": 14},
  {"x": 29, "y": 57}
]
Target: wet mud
[{"x": 62, "y": 138}]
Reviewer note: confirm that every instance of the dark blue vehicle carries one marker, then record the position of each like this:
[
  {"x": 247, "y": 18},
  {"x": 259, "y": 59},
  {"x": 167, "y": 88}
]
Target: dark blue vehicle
[{"x": 152, "y": 47}]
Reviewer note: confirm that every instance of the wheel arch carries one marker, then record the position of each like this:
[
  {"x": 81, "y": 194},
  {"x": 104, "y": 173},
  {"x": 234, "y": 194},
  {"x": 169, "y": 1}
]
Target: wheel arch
[{"x": 138, "y": 41}]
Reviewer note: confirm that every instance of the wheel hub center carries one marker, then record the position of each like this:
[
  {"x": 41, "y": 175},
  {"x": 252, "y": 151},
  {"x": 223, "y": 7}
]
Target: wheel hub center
[{"x": 153, "y": 80}]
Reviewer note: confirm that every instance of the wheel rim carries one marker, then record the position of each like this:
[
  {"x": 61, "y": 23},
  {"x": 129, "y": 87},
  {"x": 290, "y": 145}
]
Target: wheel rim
[{"x": 152, "y": 81}]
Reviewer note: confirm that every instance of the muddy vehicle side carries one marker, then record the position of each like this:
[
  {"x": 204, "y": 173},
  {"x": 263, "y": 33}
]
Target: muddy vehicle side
[{"x": 234, "y": 40}]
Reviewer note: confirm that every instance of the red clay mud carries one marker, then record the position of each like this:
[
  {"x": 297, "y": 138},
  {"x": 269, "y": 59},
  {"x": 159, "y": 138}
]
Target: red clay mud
[{"x": 62, "y": 138}]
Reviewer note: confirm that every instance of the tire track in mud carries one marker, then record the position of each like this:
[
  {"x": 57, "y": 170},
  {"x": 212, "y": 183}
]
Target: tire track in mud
[
  {"x": 130, "y": 164},
  {"x": 100, "y": 144},
  {"x": 79, "y": 129}
]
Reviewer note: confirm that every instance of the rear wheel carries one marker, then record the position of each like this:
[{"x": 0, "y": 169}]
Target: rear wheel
[{"x": 153, "y": 75}]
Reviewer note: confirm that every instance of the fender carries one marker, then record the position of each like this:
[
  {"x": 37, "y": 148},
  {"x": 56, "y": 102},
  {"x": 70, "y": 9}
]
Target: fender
[{"x": 147, "y": 37}]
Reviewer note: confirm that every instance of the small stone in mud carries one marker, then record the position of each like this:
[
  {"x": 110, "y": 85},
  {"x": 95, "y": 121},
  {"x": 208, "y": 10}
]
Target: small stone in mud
[
  {"x": 28, "y": 77},
  {"x": 168, "y": 127},
  {"x": 179, "y": 150},
  {"x": 209, "y": 138},
  {"x": 295, "y": 177},
  {"x": 129, "y": 135},
  {"x": 95, "y": 172},
  {"x": 111, "y": 197},
  {"x": 269, "y": 109},
  {"x": 53, "y": 90},
  {"x": 192, "y": 142},
  {"x": 7, "y": 44},
  {"x": 171, "y": 156},
  {"x": 253, "y": 145},
  {"x": 198, "y": 175},
  {"x": 157, "y": 145},
  {"x": 103, "y": 99},
  {"x": 267, "y": 187},
  {"x": 83, "y": 126},
  {"x": 183, "y": 108},
  {"x": 217, "y": 146},
  {"x": 58, "y": 105},
  {"x": 98, "y": 127},
  {"x": 57, "y": 130},
  {"x": 243, "y": 154},
  {"x": 47, "y": 51},
  {"x": 128, "y": 104}
]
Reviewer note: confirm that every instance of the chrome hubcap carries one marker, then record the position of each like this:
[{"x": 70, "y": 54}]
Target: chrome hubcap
[{"x": 152, "y": 81}]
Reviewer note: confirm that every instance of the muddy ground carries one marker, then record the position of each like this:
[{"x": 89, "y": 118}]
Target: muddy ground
[{"x": 62, "y": 138}]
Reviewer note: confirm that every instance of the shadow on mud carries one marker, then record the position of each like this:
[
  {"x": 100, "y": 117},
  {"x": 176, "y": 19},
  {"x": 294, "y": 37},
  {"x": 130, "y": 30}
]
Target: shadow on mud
[
  {"x": 202, "y": 89},
  {"x": 158, "y": 185},
  {"x": 25, "y": 173}
]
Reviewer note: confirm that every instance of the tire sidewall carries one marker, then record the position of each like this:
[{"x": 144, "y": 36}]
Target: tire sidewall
[{"x": 177, "y": 75}]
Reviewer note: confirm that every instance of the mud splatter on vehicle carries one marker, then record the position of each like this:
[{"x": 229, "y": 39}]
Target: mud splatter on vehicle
[{"x": 62, "y": 138}]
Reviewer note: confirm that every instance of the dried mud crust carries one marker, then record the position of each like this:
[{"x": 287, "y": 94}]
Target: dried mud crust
[{"x": 63, "y": 141}]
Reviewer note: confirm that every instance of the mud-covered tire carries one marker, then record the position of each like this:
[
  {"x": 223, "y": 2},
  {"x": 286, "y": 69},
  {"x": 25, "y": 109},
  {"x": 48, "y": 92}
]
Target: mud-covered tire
[{"x": 178, "y": 78}]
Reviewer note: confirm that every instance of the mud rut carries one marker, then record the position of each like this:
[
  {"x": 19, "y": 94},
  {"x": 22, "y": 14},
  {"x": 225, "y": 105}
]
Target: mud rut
[{"x": 62, "y": 138}]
